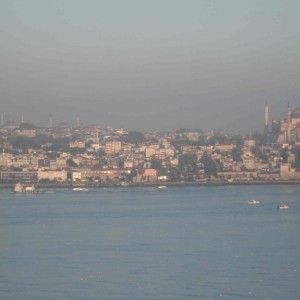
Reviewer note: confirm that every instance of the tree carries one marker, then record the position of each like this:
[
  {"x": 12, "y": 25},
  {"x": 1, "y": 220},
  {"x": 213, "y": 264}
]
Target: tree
[
  {"x": 52, "y": 155},
  {"x": 58, "y": 144},
  {"x": 132, "y": 174},
  {"x": 134, "y": 137},
  {"x": 218, "y": 139},
  {"x": 173, "y": 173},
  {"x": 210, "y": 167},
  {"x": 27, "y": 126},
  {"x": 238, "y": 140},
  {"x": 75, "y": 151},
  {"x": 297, "y": 156},
  {"x": 101, "y": 153},
  {"x": 187, "y": 159},
  {"x": 71, "y": 163},
  {"x": 187, "y": 165},
  {"x": 257, "y": 137},
  {"x": 236, "y": 154},
  {"x": 183, "y": 130},
  {"x": 284, "y": 155},
  {"x": 156, "y": 164},
  {"x": 258, "y": 153},
  {"x": 23, "y": 142}
]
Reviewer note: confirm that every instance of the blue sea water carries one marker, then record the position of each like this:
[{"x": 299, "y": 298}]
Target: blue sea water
[{"x": 146, "y": 243}]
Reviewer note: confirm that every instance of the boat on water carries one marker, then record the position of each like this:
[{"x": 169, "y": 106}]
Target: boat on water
[
  {"x": 283, "y": 206},
  {"x": 79, "y": 189},
  {"x": 162, "y": 187},
  {"x": 253, "y": 202},
  {"x": 23, "y": 189}
]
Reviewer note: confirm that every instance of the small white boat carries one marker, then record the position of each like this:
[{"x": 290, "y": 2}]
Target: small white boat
[
  {"x": 80, "y": 189},
  {"x": 253, "y": 202},
  {"x": 283, "y": 206},
  {"x": 162, "y": 187},
  {"x": 30, "y": 189}
]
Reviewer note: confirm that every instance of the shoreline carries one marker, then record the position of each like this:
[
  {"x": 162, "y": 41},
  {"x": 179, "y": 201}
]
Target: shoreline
[{"x": 155, "y": 184}]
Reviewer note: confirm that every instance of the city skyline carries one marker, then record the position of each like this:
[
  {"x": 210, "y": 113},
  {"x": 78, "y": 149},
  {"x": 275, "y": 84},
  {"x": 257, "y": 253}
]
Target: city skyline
[
  {"x": 267, "y": 120},
  {"x": 149, "y": 65}
]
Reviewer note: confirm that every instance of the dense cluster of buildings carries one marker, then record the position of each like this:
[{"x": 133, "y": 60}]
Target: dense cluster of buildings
[{"x": 89, "y": 155}]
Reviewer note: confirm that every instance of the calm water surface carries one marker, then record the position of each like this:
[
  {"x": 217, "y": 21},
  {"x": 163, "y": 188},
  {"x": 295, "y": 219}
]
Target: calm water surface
[{"x": 146, "y": 243}]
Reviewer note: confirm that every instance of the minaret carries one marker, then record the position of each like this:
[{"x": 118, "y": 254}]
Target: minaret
[
  {"x": 97, "y": 136},
  {"x": 266, "y": 117},
  {"x": 288, "y": 138}
]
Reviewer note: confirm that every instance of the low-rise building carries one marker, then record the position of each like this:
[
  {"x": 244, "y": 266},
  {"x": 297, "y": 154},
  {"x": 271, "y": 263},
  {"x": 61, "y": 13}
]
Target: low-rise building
[
  {"x": 146, "y": 175},
  {"x": 99, "y": 174},
  {"x": 50, "y": 175},
  {"x": 18, "y": 176},
  {"x": 288, "y": 173}
]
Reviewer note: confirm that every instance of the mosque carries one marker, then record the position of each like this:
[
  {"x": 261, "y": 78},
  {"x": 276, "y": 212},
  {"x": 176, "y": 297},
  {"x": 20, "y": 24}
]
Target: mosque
[{"x": 289, "y": 128}]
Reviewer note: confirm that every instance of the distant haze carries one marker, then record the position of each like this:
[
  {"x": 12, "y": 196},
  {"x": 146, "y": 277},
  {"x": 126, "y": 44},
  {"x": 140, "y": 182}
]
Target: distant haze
[{"x": 149, "y": 65}]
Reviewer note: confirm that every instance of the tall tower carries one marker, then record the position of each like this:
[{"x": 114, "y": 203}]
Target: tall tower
[
  {"x": 97, "y": 136},
  {"x": 2, "y": 119},
  {"x": 50, "y": 121},
  {"x": 266, "y": 118},
  {"x": 288, "y": 137}
]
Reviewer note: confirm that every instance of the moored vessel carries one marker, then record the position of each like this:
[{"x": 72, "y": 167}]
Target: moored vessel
[{"x": 23, "y": 189}]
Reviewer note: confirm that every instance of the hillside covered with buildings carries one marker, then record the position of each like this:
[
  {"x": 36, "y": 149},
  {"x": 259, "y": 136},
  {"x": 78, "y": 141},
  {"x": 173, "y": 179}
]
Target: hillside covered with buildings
[{"x": 89, "y": 155}]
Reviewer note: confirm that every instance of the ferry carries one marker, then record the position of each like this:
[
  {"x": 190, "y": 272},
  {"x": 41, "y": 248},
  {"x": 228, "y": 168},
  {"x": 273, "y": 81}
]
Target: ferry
[
  {"x": 283, "y": 206},
  {"x": 22, "y": 189},
  {"x": 253, "y": 202}
]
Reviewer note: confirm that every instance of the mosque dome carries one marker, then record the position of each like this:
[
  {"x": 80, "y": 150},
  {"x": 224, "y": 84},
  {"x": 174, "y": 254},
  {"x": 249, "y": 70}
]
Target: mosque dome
[{"x": 296, "y": 113}]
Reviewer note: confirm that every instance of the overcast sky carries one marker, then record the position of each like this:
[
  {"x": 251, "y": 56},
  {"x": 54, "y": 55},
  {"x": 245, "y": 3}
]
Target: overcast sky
[{"x": 149, "y": 64}]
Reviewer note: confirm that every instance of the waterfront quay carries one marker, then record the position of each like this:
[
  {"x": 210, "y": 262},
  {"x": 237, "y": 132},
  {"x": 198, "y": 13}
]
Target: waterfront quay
[{"x": 156, "y": 184}]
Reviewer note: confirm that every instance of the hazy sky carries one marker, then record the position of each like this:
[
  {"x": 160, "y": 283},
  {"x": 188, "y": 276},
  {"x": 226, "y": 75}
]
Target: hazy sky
[{"x": 149, "y": 64}]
